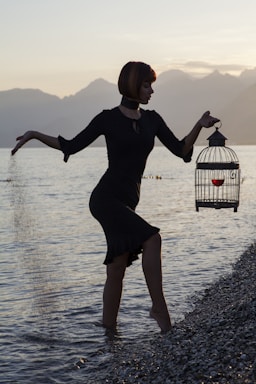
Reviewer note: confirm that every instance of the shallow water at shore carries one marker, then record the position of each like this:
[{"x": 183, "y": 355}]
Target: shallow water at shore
[{"x": 52, "y": 252}]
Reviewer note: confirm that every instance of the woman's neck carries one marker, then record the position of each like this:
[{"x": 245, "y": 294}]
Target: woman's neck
[
  {"x": 130, "y": 108},
  {"x": 134, "y": 114},
  {"x": 129, "y": 103}
]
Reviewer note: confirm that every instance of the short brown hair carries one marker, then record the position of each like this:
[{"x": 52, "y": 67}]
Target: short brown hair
[{"x": 131, "y": 77}]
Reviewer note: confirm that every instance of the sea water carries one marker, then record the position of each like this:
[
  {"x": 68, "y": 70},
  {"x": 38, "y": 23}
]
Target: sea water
[{"x": 52, "y": 250}]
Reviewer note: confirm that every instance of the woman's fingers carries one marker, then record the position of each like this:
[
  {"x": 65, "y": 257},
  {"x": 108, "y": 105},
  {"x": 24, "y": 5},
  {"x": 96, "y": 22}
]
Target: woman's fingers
[
  {"x": 18, "y": 145},
  {"x": 19, "y": 137}
]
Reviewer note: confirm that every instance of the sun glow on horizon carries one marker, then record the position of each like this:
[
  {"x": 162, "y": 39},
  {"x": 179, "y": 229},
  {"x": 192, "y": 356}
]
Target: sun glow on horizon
[{"x": 60, "y": 49}]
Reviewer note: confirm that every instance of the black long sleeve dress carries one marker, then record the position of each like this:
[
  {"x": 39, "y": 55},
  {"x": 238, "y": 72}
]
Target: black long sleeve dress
[{"x": 114, "y": 199}]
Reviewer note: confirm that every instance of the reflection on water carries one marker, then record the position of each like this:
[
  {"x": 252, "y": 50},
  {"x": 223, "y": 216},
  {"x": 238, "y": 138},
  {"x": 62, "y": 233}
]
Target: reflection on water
[{"x": 51, "y": 271}]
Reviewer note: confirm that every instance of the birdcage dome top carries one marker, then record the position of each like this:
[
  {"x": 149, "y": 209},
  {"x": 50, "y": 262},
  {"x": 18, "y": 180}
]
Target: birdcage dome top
[
  {"x": 224, "y": 155},
  {"x": 217, "y": 154}
]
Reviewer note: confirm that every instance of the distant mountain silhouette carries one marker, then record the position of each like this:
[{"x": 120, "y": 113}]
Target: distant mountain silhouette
[
  {"x": 239, "y": 117},
  {"x": 179, "y": 98}
]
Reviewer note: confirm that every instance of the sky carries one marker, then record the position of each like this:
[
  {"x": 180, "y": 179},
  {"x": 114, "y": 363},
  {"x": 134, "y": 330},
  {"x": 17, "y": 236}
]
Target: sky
[{"x": 60, "y": 46}]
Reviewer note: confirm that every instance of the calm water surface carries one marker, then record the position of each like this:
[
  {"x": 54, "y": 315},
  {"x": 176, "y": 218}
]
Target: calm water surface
[{"x": 51, "y": 255}]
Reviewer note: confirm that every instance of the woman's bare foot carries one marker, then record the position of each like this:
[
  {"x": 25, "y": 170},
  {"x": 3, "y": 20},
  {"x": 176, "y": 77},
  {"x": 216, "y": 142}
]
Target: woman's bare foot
[{"x": 162, "y": 319}]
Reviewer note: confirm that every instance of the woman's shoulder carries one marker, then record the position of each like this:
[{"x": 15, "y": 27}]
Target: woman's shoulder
[
  {"x": 105, "y": 115},
  {"x": 109, "y": 113},
  {"x": 151, "y": 113}
]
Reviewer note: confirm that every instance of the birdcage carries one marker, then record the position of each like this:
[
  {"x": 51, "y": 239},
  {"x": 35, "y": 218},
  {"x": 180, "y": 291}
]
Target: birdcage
[{"x": 217, "y": 175}]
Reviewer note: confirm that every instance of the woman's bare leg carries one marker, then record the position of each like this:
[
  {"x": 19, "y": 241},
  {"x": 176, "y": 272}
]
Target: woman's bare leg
[
  {"x": 113, "y": 290},
  {"x": 152, "y": 268}
]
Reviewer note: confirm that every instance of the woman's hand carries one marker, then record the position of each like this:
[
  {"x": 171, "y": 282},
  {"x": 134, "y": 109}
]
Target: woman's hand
[
  {"x": 51, "y": 141},
  {"x": 22, "y": 140},
  {"x": 207, "y": 120}
]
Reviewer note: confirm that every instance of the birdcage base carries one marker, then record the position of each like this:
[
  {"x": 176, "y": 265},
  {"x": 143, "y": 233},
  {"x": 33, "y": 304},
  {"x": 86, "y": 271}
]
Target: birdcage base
[{"x": 217, "y": 204}]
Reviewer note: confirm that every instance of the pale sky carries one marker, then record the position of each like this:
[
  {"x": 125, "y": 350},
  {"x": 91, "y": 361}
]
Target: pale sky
[{"x": 60, "y": 46}]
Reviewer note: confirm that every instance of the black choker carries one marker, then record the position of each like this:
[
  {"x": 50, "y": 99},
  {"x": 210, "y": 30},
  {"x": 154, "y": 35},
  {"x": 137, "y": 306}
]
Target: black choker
[{"x": 128, "y": 103}]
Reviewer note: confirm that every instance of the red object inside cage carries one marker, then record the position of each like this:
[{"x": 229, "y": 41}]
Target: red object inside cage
[{"x": 217, "y": 182}]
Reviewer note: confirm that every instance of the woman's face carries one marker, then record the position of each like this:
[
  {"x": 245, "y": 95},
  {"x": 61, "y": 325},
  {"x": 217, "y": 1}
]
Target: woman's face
[{"x": 145, "y": 92}]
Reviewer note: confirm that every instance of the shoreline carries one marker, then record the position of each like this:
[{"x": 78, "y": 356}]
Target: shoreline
[{"x": 214, "y": 344}]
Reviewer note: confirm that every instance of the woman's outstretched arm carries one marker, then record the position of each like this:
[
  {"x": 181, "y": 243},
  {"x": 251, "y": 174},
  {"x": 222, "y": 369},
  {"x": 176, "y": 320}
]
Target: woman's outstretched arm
[
  {"x": 206, "y": 121},
  {"x": 51, "y": 141}
]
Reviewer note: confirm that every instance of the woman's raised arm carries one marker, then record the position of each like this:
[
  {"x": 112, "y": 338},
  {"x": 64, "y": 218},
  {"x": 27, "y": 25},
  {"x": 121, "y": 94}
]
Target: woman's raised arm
[
  {"x": 51, "y": 141},
  {"x": 206, "y": 121}
]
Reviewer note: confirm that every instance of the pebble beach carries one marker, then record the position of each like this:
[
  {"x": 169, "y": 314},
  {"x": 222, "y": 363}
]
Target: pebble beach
[{"x": 214, "y": 344}]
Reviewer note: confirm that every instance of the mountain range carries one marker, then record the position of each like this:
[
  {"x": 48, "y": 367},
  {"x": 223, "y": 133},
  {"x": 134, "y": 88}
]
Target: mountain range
[{"x": 179, "y": 97}]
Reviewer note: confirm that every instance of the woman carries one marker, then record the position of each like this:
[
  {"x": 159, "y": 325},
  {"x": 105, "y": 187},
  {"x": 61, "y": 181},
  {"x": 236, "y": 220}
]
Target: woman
[{"x": 129, "y": 132}]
